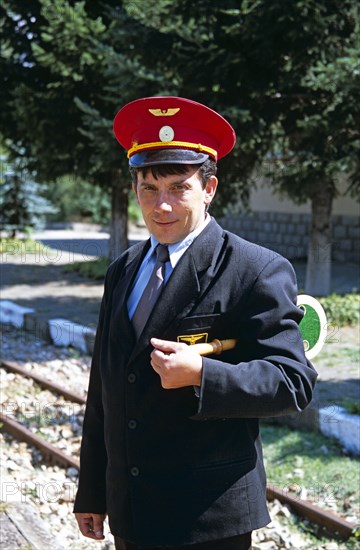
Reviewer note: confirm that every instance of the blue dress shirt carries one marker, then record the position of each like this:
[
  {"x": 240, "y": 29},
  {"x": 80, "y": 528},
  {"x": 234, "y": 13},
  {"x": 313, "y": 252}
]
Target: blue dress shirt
[{"x": 176, "y": 250}]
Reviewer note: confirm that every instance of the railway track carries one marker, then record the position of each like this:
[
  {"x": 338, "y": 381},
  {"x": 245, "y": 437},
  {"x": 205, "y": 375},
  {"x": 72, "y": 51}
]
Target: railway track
[{"x": 330, "y": 522}]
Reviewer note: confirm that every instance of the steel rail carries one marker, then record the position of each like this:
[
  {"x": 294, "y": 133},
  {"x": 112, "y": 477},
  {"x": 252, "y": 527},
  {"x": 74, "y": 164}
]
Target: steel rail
[
  {"x": 69, "y": 395},
  {"x": 51, "y": 453},
  {"x": 325, "y": 519},
  {"x": 328, "y": 520}
]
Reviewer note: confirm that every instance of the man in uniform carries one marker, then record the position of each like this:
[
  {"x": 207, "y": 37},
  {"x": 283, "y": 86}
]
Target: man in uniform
[{"x": 171, "y": 449}]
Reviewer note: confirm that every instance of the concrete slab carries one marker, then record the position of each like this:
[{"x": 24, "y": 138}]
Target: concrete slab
[
  {"x": 13, "y": 314},
  {"x": 10, "y": 536},
  {"x": 31, "y": 527},
  {"x": 66, "y": 333}
]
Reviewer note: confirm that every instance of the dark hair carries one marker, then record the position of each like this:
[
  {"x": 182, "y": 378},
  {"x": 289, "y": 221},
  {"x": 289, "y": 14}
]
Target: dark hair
[{"x": 205, "y": 170}]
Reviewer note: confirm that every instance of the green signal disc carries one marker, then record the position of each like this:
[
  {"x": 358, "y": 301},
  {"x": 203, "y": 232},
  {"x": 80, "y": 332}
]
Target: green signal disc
[
  {"x": 310, "y": 326},
  {"x": 313, "y": 326}
]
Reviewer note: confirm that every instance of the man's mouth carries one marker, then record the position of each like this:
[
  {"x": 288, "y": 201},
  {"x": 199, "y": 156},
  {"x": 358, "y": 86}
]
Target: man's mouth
[{"x": 165, "y": 223}]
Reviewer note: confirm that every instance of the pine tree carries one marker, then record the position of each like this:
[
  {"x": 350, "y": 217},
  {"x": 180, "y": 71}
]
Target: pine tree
[
  {"x": 23, "y": 206},
  {"x": 286, "y": 74},
  {"x": 69, "y": 67}
]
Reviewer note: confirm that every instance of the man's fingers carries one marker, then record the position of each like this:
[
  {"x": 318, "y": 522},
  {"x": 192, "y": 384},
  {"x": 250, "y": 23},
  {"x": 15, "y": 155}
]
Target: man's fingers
[
  {"x": 87, "y": 530},
  {"x": 176, "y": 364},
  {"x": 91, "y": 525},
  {"x": 162, "y": 345},
  {"x": 98, "y": 527},
  {"x": 166, "y": 346},
  {"x": 84, "y": 522}
]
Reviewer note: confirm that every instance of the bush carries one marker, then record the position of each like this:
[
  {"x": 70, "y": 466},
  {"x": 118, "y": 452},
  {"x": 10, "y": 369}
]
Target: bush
[
  {"x": 342, "y": 310},
  {"x": 13, "y": 247},
  {"x": 351, "y": 406},
  {"x": 78, "y": 200},
  {"x": 94, "y": 269}
]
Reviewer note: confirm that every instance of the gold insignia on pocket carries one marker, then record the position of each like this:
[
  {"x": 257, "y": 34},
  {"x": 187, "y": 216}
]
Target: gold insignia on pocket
[
  {"x": 164, "y": 112},
  {"x": 191, "y": 339}
]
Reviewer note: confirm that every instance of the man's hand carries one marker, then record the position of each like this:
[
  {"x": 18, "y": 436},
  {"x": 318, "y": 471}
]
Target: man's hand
[
  {"x": 176, "y": 364},
  {"x": 91, "y": 525}
]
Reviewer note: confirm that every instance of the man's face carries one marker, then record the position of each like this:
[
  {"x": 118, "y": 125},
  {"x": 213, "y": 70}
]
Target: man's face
[{"x": 174, "y": 205}]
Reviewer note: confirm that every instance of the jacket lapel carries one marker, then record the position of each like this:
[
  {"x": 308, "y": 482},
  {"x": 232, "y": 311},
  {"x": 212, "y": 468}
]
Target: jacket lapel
[
  {"x": 187, "y": 283},
  {"x": 122, "y": 290}
]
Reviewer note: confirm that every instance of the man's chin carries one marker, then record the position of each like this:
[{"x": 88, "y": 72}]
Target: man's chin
[{"x": 166, "y": 233}]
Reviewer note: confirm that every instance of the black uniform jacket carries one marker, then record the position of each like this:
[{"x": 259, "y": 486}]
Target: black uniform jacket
[{"x": 167, "y": 466}]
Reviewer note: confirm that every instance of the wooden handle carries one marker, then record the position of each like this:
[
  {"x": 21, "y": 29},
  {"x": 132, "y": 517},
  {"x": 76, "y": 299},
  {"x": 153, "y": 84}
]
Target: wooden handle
[{"x": 216, "y": 346}]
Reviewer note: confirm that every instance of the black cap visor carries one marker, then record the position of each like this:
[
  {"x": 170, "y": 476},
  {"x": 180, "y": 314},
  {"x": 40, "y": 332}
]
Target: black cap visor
[{"x": 166, "y": 156}]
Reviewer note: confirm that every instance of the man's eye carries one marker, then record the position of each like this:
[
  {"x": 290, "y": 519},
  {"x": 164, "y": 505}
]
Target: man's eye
[{"x": 179, "y": 187}]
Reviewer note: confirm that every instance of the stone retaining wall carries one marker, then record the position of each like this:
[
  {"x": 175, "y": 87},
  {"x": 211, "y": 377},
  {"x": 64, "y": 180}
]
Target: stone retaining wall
[{"x": 288, "y": 234}]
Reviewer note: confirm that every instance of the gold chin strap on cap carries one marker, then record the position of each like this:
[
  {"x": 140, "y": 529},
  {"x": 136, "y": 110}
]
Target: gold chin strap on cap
[{"x": 165, "y": 144}]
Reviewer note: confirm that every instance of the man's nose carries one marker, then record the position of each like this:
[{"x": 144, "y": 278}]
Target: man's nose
[{"x": 163, "y": 203}]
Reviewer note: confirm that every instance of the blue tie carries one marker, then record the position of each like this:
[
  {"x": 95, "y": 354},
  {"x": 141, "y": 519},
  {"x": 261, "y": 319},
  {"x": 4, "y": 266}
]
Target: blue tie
[{"x": 152, "y": 290}]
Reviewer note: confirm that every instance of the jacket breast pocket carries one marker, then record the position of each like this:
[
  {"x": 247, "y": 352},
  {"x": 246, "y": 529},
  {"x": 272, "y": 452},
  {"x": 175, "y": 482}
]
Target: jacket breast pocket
[{"x": 198, "y": 328}]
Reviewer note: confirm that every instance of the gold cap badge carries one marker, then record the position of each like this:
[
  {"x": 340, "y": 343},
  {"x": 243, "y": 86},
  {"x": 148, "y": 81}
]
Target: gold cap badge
[{"x": 164, "y": 112}]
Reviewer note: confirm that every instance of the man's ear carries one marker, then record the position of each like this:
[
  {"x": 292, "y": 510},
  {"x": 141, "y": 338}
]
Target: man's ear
[{"x": 210, "y": 189}]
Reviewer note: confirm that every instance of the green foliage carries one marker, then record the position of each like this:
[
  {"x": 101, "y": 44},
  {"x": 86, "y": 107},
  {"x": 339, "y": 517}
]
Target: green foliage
[
  {"x": 42, "y": 83},
  {"x": 69, "y": 66},
  {"x": 342, "y": 310},
  {"x": 286, "y": 74},
  {"x": 14, "y": 246},
  {"x": 23, "y": 205},
  {"x": 322, "y": 143},
  {"x": 94, "y": 269},
  {"x": 352, "y": 406},
  {"x": 78, "y": 200}
]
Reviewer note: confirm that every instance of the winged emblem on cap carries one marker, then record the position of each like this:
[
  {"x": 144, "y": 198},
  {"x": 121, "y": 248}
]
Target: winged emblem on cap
[{"x": 164, "y": 112}]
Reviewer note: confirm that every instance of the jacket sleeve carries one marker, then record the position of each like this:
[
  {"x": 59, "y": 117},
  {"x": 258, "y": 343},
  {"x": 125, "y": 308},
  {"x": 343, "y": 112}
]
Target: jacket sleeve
[
  {"x": 91, "y": 496},
  {"x": 270, "y": 375}
]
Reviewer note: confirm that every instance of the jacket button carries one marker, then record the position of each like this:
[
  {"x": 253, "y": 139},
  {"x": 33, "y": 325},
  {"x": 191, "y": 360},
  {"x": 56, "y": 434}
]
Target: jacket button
[
  {"x": 132, "y": 424},
  {"x": 131, "y": 378},
  {"x": 134, "y": 471}
]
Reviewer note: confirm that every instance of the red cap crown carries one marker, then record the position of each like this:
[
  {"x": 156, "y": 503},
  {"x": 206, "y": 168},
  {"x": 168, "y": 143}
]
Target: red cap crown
[{"x": 173, "y": 123}]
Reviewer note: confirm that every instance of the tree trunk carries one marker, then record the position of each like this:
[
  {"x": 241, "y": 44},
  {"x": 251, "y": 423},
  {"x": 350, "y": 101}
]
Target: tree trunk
[
  {"x": 119, "y": 217},
  {"x": 318, "y": 269}
]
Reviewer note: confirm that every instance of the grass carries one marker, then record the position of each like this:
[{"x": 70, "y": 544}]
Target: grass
[
  {"x": 310, "y": 465},
  {"x": 350, "y": 353},
  {"x": 349, "y": 356},
  {"x": 93, "y": 269}
]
